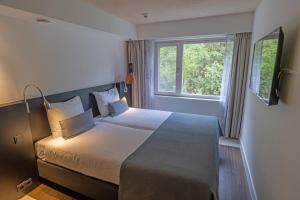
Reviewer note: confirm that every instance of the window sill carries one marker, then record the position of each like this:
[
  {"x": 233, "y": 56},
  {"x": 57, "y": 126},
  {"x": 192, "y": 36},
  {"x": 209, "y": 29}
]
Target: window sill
[{"x": 188, "y": 97}]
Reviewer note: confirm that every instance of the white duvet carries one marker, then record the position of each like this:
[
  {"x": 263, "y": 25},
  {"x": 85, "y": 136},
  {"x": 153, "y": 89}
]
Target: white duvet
[
  {"x": 98, "y": 152},
  {"x": 138, "y": 118}
]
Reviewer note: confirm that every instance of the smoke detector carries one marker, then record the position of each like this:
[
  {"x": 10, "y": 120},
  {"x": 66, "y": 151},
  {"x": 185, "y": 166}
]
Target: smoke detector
[
  {"x": 43, "y": 20},
  {"x": 145, "y": 15}
]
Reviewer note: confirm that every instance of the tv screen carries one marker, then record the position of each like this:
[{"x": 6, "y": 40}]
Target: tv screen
[{"x": 266, "y": 67}]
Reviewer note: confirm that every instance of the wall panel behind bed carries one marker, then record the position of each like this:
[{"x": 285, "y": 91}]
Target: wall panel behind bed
[
  {"x": 38, "y": 117},
  {"x": 18, "y": 161}
]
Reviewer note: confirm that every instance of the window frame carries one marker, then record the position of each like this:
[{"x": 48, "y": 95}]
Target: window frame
[{"x": 179, "y": 65}]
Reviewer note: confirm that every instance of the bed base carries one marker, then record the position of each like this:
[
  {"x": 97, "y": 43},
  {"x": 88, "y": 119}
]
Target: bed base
[{"x": 77, "y": 182}]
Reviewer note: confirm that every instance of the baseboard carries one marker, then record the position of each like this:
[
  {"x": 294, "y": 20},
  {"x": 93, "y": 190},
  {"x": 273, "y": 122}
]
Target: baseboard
[{"x": 248, "y": 173}]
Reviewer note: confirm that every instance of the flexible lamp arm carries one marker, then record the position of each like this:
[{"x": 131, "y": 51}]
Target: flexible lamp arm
[{"x": 46, "y": 103}]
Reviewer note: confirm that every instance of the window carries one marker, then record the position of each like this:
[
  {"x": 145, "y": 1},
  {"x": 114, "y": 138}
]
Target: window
[
  {"x": 167, "y": 68},
  {"x": 190, "y": 68}
]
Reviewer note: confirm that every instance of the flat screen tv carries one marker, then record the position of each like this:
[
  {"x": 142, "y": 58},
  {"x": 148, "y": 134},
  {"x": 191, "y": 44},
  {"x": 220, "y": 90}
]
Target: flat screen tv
[{"x": 265, "y": 74}]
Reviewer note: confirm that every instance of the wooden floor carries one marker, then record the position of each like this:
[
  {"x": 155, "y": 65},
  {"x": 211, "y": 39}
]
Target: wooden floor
[
  {"x": 232, "y": 184},
  {"x": 232, "y": 180}
]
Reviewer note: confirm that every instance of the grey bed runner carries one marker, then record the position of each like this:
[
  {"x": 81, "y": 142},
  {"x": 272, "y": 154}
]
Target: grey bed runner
[{"x": 179, "y": 161}]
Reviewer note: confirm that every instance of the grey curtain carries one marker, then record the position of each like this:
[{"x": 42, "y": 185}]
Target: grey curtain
[
  {"x": 237, "y": 79},
  {"x": 141, "y": 55}
]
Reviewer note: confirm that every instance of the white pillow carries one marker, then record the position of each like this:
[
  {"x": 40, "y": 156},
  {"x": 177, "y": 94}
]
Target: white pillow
[
  {"x": 103, "y": 98},
  {"x": 61, "y": 111}
]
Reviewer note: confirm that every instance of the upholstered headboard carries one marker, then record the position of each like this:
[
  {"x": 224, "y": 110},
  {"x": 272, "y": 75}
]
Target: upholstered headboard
[{"x": 38, "y": 118}]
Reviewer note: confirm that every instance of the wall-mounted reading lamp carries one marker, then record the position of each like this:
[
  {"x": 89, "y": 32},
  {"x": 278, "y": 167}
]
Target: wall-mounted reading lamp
[
  {"x": 129, "y": 77},
  {"x": 46, "y": 103},
  {"x": 125, "y": 87}
]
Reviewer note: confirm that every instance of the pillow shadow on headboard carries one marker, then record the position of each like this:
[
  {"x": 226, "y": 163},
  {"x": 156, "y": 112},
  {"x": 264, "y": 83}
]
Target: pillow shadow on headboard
[{"x": 38, "y": 117}]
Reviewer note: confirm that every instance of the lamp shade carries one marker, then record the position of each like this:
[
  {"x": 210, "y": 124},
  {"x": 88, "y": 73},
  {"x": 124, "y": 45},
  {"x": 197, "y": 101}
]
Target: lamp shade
[{"x": 130, "y": 77}]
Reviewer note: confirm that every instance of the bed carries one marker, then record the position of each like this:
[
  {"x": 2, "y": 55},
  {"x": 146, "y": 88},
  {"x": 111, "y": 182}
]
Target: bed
[
  {"x": 143, "y": 154},
  {"x": 137, "y": 118},
  {"x": 98, "y": 152}
]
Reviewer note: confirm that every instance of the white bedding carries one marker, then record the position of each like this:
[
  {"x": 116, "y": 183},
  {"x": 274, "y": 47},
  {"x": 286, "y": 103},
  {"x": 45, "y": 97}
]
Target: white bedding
[
  {"x": 98, "y": 153},
  {"x": 138, "y": 118}
]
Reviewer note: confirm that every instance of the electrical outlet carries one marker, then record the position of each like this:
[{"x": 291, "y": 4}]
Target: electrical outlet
[{"x": 25, "y": 184}]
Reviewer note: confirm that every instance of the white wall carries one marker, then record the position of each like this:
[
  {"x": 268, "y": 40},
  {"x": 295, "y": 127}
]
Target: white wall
[
  {"x": 58, "y": 57},
  {"x": 235, "y": 23},
  {"x": 76, "y": 12},
  {"x": 188, "y": 105},
  {"x": 271, "y": 135},
  {"x": 194, "y": 27}
]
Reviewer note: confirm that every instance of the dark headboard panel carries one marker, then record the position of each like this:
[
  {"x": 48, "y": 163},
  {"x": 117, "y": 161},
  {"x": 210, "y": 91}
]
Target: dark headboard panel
[
  {"x": 16, "y": 156},
  {"x": 38, "y": 117}
]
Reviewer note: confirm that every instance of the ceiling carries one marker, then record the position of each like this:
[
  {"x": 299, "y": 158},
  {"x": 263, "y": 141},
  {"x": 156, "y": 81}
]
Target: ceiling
[{"x": 167, "y": 10}]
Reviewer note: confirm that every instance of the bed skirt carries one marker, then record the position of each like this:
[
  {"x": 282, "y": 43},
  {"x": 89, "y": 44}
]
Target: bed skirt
[{"x": 80, "y": 183}]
